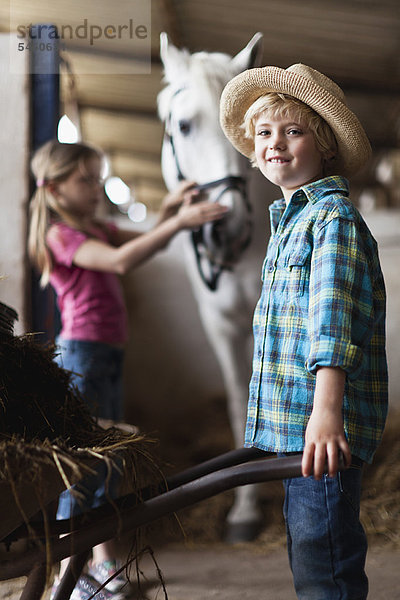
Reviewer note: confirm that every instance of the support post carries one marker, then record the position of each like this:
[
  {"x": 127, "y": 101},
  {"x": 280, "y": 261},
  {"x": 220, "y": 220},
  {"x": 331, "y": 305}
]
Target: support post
[{"x": 45, "y": 113}]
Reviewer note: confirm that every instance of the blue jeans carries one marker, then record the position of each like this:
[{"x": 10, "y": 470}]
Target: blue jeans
[
  {"x": 327, "y": 545},
  {"x": 94, "y": 492},
  {"x": 97, "y": 373}
]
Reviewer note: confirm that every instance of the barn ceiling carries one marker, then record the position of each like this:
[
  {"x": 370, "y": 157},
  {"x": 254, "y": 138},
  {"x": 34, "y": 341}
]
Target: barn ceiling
[{"x": 355, "y": 42}]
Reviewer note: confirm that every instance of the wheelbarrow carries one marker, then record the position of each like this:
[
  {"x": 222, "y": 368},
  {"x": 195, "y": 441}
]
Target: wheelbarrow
[{"x": 79, "y": 535}]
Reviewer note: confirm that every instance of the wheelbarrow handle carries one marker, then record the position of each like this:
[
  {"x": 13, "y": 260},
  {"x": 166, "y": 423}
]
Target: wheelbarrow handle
[
  {"x": 228, "y": 459},
  {"x": 240, "y": 456},
  {"x": 99, "y": 529}
]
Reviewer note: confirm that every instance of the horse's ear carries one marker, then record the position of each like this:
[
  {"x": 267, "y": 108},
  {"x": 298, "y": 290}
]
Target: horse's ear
[
  {"x": 174, "y": 60},
  {"x": 250, "y": 56}
]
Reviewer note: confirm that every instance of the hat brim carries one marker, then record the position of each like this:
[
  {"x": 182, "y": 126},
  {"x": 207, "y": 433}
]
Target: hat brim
[{"x": 239, "y": 94}]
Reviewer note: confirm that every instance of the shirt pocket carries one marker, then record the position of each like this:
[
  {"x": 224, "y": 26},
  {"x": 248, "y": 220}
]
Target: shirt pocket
[{"x": 298, "y": 273}]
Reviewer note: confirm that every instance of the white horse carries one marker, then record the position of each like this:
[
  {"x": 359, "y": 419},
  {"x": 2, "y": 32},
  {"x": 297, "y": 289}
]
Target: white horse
[{"x": 223, "y": 261}]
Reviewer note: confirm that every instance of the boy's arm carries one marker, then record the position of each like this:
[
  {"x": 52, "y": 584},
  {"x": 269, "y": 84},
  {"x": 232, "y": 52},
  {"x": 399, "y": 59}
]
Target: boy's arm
[{"x": 325, "y": 433}]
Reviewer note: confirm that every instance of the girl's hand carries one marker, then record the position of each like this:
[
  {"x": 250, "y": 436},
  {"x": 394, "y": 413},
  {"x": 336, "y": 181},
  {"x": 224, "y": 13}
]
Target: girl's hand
[
  {"x": 191, "y": 216},
  {"x": 171, "y": 203}
]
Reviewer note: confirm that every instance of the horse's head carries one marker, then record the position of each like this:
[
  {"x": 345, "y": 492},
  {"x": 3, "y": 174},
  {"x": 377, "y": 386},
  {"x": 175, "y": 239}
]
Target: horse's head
[
  {"x": 195, "y": 148},
  {"x": 189, "y": 107}
]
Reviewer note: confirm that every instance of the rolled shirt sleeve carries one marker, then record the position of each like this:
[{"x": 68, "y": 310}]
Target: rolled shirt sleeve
[{"x": 341, "y": 301}]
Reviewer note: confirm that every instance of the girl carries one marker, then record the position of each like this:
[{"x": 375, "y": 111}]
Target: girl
[{"x": 81, "y": 257}]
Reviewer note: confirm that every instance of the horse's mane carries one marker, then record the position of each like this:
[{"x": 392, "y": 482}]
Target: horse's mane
[{"x": 204, "y": 70}]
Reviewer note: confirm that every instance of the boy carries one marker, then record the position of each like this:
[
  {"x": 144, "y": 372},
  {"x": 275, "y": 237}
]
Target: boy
[{"x": 319, "y": 382}]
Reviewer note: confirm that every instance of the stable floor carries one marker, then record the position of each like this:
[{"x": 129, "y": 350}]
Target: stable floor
[{"x": 243, "y": 572}]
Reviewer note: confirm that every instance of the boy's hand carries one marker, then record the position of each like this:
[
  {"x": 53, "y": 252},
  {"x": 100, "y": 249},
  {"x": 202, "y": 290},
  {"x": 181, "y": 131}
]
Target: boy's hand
[
  {"x": 324, "y": 439},
  {"x": 325, "y": 434}
]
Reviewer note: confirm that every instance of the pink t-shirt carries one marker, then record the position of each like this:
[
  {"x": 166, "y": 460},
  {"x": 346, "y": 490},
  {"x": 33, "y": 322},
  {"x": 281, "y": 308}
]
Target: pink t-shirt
[{"x": 91, "y": 303}]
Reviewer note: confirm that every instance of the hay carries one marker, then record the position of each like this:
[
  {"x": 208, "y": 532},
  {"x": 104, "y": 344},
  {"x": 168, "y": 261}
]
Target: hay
[
  {"x": 46, "y": 429},
  {"x": 37, "y": 400},
  {"x": 49, "y": 441},
  {"x": 380, "y": 504}
]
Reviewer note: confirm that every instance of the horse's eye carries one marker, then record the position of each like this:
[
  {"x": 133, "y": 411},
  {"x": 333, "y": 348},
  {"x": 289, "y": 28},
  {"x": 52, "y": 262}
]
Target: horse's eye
[{"x": 184, "y": 127}]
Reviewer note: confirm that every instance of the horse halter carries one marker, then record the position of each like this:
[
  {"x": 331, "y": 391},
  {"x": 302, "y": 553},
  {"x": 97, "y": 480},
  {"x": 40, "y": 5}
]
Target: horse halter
[{"x": 208, "y": 239}]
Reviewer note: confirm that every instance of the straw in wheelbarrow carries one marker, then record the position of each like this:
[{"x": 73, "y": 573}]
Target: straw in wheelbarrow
[{"x": 48, "y": 439}]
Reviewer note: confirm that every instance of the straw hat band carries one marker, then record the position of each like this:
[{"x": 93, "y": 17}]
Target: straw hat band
[{"x": 311, "y": 87}]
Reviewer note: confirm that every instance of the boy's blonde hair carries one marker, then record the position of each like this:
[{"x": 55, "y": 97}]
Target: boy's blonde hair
[
  {"x": 53, "y": 162},
  {"x": 282, "y": 105}
]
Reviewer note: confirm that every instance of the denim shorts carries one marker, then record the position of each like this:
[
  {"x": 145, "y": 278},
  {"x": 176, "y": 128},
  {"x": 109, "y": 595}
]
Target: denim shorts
[
  {"x": 97, "y": 372},
  {"x": 327, "y": 545}
]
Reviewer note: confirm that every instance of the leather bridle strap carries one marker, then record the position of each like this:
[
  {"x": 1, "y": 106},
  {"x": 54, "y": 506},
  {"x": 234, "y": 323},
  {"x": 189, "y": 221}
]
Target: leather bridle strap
[{"x": 230, "y": 182}]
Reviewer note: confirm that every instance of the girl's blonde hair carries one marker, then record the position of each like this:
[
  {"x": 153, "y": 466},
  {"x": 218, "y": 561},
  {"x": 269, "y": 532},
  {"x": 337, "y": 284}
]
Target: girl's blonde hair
[
  {"x": 53, "y": 162},
  {"x": 281, "y": 105}
]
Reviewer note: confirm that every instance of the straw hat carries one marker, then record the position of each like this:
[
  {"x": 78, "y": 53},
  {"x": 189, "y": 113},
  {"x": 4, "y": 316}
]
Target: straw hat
[{"x": 309, "y": 86}]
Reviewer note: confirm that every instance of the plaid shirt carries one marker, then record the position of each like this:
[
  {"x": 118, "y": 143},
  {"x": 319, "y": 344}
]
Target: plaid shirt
[{"x": 322, "y": 305}]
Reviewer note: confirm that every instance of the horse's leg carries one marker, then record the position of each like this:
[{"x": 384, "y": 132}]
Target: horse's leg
[{"x": 232, "y": 345}]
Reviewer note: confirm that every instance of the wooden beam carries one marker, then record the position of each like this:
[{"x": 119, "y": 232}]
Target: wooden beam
[
  {"x": 119, "y": 130},
  {"x": 132, "y": 167}
]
